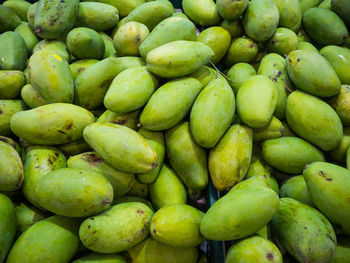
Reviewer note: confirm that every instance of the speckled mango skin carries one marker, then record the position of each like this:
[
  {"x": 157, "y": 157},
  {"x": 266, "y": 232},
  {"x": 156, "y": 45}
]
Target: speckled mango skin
[
  {"x": 138, "y": 157},
  {"x": 54, "y": 239},
  {"x": 80, "y": 65},
  {"x": 118, "y": 229},
  {"x": 129, "y": 120},
  {"x": 296, "y": 188},
  {"x": 290, "y": 13},
  {"x": 187, "y": 158},
  {"x": 101, "y": 258},
  {"x": 120, "y": 181},
  {"x": 314, "y": 120},
  {"x": 56, "y": 46},
  {"x": 239, "y": 73},
  {"x": 328, "y": 186},
  {"x": 231, "y": 10},
  {"x": 7, "y": 225},
  {"x": 51, "y": 124},
  {"x": 13, "y": 52},
  {"x": 204, "y": 13},
  {"x": 7, "y": 109},
  {"x": 340, "y": 104},
  {"x": 27, "y": 215},
  {"x": 8, "y": 19},
  {"x": 304, "y": 232},
  {"x": 177, "y": 225},
  {"x": 11, "y": 82}
]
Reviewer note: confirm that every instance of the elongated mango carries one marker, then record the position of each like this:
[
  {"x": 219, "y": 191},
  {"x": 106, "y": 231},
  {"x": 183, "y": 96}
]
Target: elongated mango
[
  {"x": 28, "y": 35},
  {"x": 13, "y": 51},
  {"x": 203, "y": 12},
  {"x": 27, "y": 215},
  {"x": 129, "y": 120},
  {"x": 7, "y": 225},
  {"x": 290, "y": 13},
  {"x": 31, "y": 97},
  {"x": 56, "y": 46},
  {"x": 340, "y": 104},
  {"x": 231, "y": 10},
  {"x": 296, "y": 188},
  {"x": 80, "y": 65},
  {"x": 8, "y": 19}
]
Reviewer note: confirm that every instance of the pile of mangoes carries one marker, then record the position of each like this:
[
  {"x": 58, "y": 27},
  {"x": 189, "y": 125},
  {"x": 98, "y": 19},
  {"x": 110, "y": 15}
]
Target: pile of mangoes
[{"x": 116, "y": 115}]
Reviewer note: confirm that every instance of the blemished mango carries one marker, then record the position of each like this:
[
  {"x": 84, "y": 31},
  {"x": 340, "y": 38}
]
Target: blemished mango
[
  {"x": 231, "y": 10},
  {"x": 56, "y": 46},
  {"x": 328, "y": 186},
  {"x": 27, "y": 215},
  {"x": 290, "y": 13},
  {"x": 101, "y": 258},
  {"x": 58, "y": 242},
  {"x": 239, "y": 73},
  {"x": 109, "y": 46},
  {"x": 342, "y": 8},
  {"x": 8, "y": 19},
  {"x": 129, "y": 120},
  {"x": 186, "y": 157},
  {"x": 118, "y": 229},
  {"x": 339, "y": 153},
  {"x": 340, "y": 104},
  {"x": 203, "y": 12},
  {"x": 7, "y": 225},
  {"x": 80, "y": 65},
  {"x": 283, "y": 41},
  {"x": 138, "y": 189},
  {"x": 296, "y": 188},
  {"x": 13, "y": 51},
  {"x": 304, "y": 232},
  {"x": 51, "y": 124},
  {"x": 274, "y": 129},
  {"x": 31, "y": 97},
  {"x": 27, "y": 34},
  {"x": 138, "y": 157},
  {"x": 242, "y": 49},
  {"x": 177, "y": 225},
  {"x": 314, "y": 120},
  {"x": 11, "y": 83}
]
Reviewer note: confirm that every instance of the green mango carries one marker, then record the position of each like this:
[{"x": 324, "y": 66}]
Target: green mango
[
  {"x": 203, "y": 12},
  {"x": 31, "y": 14},
  {"x": 157, "y": 142},
  {"x": 307, "y": 80},
  {"x": 138, "y": 189},
  {"x": 340, "y": 103},
  {"x": 129, "y": 199},
  {"x": 325, "y": 4},
  {"x": 54, "y": 239},
  {"x": 342, "y": 252},
  {"x": 8, "y": 19},
  {"x": 324, "y": 26},
  {"x": 212, "y": 113},
  {"x": 31, "y": 97},
  {"x": 234, "y": 27},
  {"x": 150, "y": 13},
  {"x": 129, "y": 120},
  {"x": 254, "y": 249},
  {"x": 283, "y": 41},
  {"x": 27, "y": 215},
  {"x": 205, "y": 74},
  {"x": 167, "y": 188},
  {"x": 178, "y": 58},
  {"x": 295, "y": 187},
  {"x": 256, "y": 206},
  {"x": 177, "y": 225},
  {"x": 7, "y": 109},
  {"x": 11, "y": 83},
  {"x": 7, "y": 225},
  {"x": 118, "y": 229},
  {"x": 328, "y": 186},
  {"x": 314, "y": 120},
  {"x": 51, "y": 77},
  {"x": 55, "y": 46},
  {"x": 261, "y": 19},
  {"x": 168, "y": 30},
  {"x": 306, "y": 46},
  {"x": 13, "y": 51},
  {"x": 27, "y": 33},
  {"x": 170, "y": 103},
  {"x": 339, "y": 153},
  {"x": 255, "y": 181},
  {"x": 239, "y": 73},
  {"x": 20, "y": 7},
  {"x": 272, "y": 130},
  {"x": 339, "y": 58},
  {"x": 256, "y": 101},
  {"x": 242, "y": 49},
  {"x": 290, "y": 13},
  {"x": 75, "y": 147},
  {"x": 55, "y": 18},
  {"x": 109, "y": 46},
  {"x": 92, "y": 84},
  {"x": 12, "y": 143},
  {"x": 218, "y": 39},
  {"x": 138, "y": 157},
  {"x": 341, "y": 7},
  {"x": 101, "y": 258},
  {"x": 120, "y": 181},
  {"x": 304, "y": 232},
  {"x": 230, "y": 159},
  {"x": 130, "y": 90},
  {"x": 124, "y": 6},
  {"x": 80, "y": 65},
  {"x": 56, "y": 123},
  {"x": 307, "y": 4},
  {"x": 179, "y": 13},
  {"x": 186, "y": 157},
  {"x": 231, "y": 10}
]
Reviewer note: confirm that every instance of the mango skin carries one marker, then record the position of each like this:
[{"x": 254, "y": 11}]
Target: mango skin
[
  {"x": 341, "y": 7},
  {"x": 51, "y": 124},
  {"x": 109, "y": 46},
  {"x": 8, "y": 19},
  {"x": 11, "y": 82},
  {"x": 58, "y": 242},
  {"x": 339, "y": 153},
  {"x": 231, "y": 10},
  {"x": 100, "y": 258},
  {"x": 27, "y": 34},
  {"x": 137, "y": 158},
  {"x": 239, "y": 73},
  {"x": 342, "y": 252},
  {"x": 303, "y": 45},
  {"x": 254, "y": 249},
  {"x": 31, "y": 14},
  {"x": 221, "y": 222},
  {"x": 19, "y": 7},
  {"x": 187, "y": 158},
  {"x": 307, "y": 4},
  {"x": 31, "y": 97},
  {"x": 242, "y": 49},
  {"x": 27, "y": 215},
  {"x": 129, "y": 120},
  {"x": 272, "y": 130},
  {"x": 290, "y": 13},
  {"x": 56, "y": 46},
  {"x": 202, "y": 12},
  {"x": 80, "y": 65},
  {"x": 327, "y": 184},
  {"x": 75, "y": 147},
  {"x": 304, "y": 232},
  {"x": 13, "y": 143},
  {"x": 283, "y": 41},
  {"x": 129, "y": 199},
  {"x": 7, "y": 225},
  {"x": 308, "y": 116},
  {"x": 13, "y": 51},
  {"x": 296, "y": 188},
  {"x": 177, "y": 225},
  {"x": 234, "y": 27},
  {"x": 124, "y": 6},
  {"x": 340, "y": 104},
  {"x": 118, "y": 229},
  {"x": 138, "y": 189}
]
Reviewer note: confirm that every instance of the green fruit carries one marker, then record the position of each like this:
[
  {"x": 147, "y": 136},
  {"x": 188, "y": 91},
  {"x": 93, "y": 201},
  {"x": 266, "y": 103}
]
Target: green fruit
[
  {"x": 27, "y": 34},
  {"x": 12, "y": 143},
  {"x": 205, "y": 74},
  {"x": 109, "y": 46},
  {"x": 31, "y": 97},
  {"x": 20, "y": 7},
  {"x": 129, "y": 199},
  {"x": 238, "y": 74},
  {"x": 31, "y": 14},
  {"x": 27, "y": 215},
  {"x": 129, "y": 120},
  {"x": 339, "y": 153},
  {"x": 80, "y": 65},
  {"x": 11, "y": 83},
  {"x": 234, "y": 27},
  {"x": 231, "y": 10},
  {"x": 242, "y": 49},
  {"x": 283, "y": 41},
  {"x": 325, "y": 4},
  {"x": 139, "y": 190},
  {"x": 7, "y": 225},
  {"x": 203, "y": 12},
  {"x": 13, "y": 51},
  {"x": 340, "y": 104},
  {"x": 100, "y": 258},
  {"x": 296, "y": 188},
  {"x": 290, "y": 13},
  {"x": 272, "y": 130},
  {"x": 307, "y": 4},
  {"x": 8, "y": 19},
  {"x": 55, "y": 46},
  {"x": 7, "y": 109},
  {"x": 341, "y": 7},
  {"x": 124, "y": 6},
  {"x": 75, "y": 147},
  {"x": 306, "y": 46},
  {"x": 342, "y": 252}
]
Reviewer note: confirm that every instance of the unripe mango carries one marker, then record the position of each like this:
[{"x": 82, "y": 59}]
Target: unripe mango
[
  {"x": 31, "y": 97},
  {"x": 13, "y": 51},
  {"x": 56, "y": 46},
  {"x": 80, "y": 65},
  {"x": 109, "y": 46},
  {"x": 272, "y": 130},
  {"x": 283, "y": 41},
  {"x": 101, "y": 258},
  {"x": 290, "y": 13},
  {"x": 342, "y": 8},
  {"x": 27, "y": 34},
  {"x": 11, "y": 83},
  {"x": 231, "y": 10},
  {"x": 242, "y": 49},
  {"x": 203, "y": 12},
  {"x": 124, "y": 6},
  {"x": 339, "y": 153},
  {"x": 27, "y": 215},
  {"x": 303, "y": 45},
  {"x": 238, "y": 74},
  {"x": 296, "y": 188},
  {"x": 8, "y": 19},
  {"x": 139, "y": 190},
  {"x": 7, "y": 225},
  {"x": 234, "y": 27},
  {"x": 129, "y": 120},
  {"x": 340, "y": 104}
]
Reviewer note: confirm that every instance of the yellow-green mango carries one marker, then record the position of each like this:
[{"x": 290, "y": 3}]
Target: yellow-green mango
[
  {"x": 13, "y": 51},
  {"x": 12, "y": 143},
  {"x": 186, "y": 157},
  {"x": 129, "y": 120},
  {"x": 177, "y": 225},
  {"x": 55, "y": 18},
  {"x": 178, "y": 58},
  {"x": 304, "y": 232},
  {"x": 261, "y": 19},
  {"x": 101, "y": 258},
  {"x": 167, "y": 188},
  {"x": 340, "y": 104},
  {"x": 27, "y": 215},
  {"x": 120, "y": 181},
  {"x": 231, "y": 10},
  {"x": 256, "y": 101},
  {"x": 341, "y": 7},
  {"x": 7, "y": 109},
  {"x": 295, "y": 187},
  {"x": 342, "y": 252},
  {"x": 109, "y": 46},
  {"x": 290, "y": 13},
  {"x": 75, "y": 147},
  {"x": 31, "y": 97},
  {"x": 56, "y": 46},
  {"x": 124, "y": 6},
  {"x": 339, "y": 58},
  {"x": 242, "y": 49},
  {"x": 254, "y": 249},
  {"x": 31, "y": 14},
  {"x": 303, "y": 45},
  {"x": 118, "y": 229},
  {"x": 239, "y": 73},
  {"x": 138, "y": 189},
  {"x": 56, "y": 123},
  {"x": 283, "y": 41},
  {"x": 339, "y": 153},
  {"x": 205, "y": 74},
  {"x": 325, "y": 4},
  {"x": 54, "y": 239},
  {"x": 274, "y": 129},
  {"x": 130, "y": 90},
  {"x": 7, "y": 225},
  {"x": 8, "y": 19},
  {"x": 80, "y": 65},
  {"x": 179, "y": 13},
  {"x": 256, "y": 206},
  {"x": 170, "y": 103},
  {"x": 150, "y": 13},
  {"x": 157, "y": 141},
  {"x": 314, "y": 120},
  {"x": 11, "y": 83},
  {"x": 138, "y": 157},
  {"x": 20, "y": 7},
  {"x": 324, "y": 26},
  {"x": 230, "y": 159},
  {"x": 129, "y": 199},
  {"x": 92, "y": 84},
  {"x": 27, "y": 33},
  {"x": 328, "y": 185},
  {"x": 212, "y": 113},
  {"x": 255, "y": 181},
  {"x": 169, "y": 30},
  {"x": 307, "y": 4},
  {"x": 202, "y": 12},
  {"x": 234, "y": 27}
]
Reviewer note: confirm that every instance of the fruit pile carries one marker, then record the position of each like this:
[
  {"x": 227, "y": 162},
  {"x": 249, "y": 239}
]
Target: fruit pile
[{"x": 117, "y": 116}]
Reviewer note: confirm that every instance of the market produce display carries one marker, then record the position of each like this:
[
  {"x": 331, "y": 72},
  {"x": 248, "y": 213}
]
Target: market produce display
[{"x": 156, "y": 131}]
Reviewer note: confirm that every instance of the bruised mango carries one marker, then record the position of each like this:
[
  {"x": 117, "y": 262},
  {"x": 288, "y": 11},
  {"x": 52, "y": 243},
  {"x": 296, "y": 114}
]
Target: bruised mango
[
  {"x": 203, "y": 12},
  {"x": 7, "y": 225},
  {"x": 296, "y": 188},
  {"x": 129, "y": 120},
  {"x": 13, "y": 51},
  {"x": 11, "y": 83},
  {"x": 238, "y": 74}
]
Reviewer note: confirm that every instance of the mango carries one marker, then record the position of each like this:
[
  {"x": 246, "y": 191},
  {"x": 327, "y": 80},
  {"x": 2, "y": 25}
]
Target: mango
[
  {"x": 203, "y": 12},
  {"x": 74, "y": 147},
  {"x": 109, "y": 46},
  {"x": 124, "y": 6},
  {"x": 138, "y": 189},
  {"x": 242, "y": 49},
  {"x": 340, "y": 104},
  {"x": 12, "y": 143},
  {"x": 8, "y": 19},
  {"x": 290, "y": 13},
  {"x": 205, "y": 74},
  {"x": 27, "y": 34},
  {"x": 80, "y": 65},
  {"x": 11, "y": 82},
  {"x": 55, "y": 46},
  {"x": 325, "y": 4},
  {"x": 13, "y": 51},
  {"x": 272, "y": 130},
  {"x": 58, "y": 242},
  {"x": 283, "y": 41},
  {"x": 129, "y": 120},
  {"x": 7, "y": 109},
  {"x": 304, "y": 232},
  {"x": 239, "y": 73},
  {"x": 306, "y": 46},
  {"x": 231, "y": 10},
  {"x": 19, "y": 7},
  {"x": 234, "y": 27},
  {"x": 31, "y": 14},
  {"x": 342, "y": 8},
  {"x": 296, "y": 188},
  {"x": 129, "y": 199},
  {"x": 31, "y": 97},
  {"x": 186, "y": 157},
  {"x": 342, "y": 252},
  {"x": 314, "y": 120},
  {"x": 101, "y": 258},
  {"x": 339, "y": 153},
  {"x": 307, "y": 4},
  {"x": 255, "y": 181},
  {"x": 7, "y": 225},
  {"x": 177, "y": 225},
  {"x": 27, "y": 215}
]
